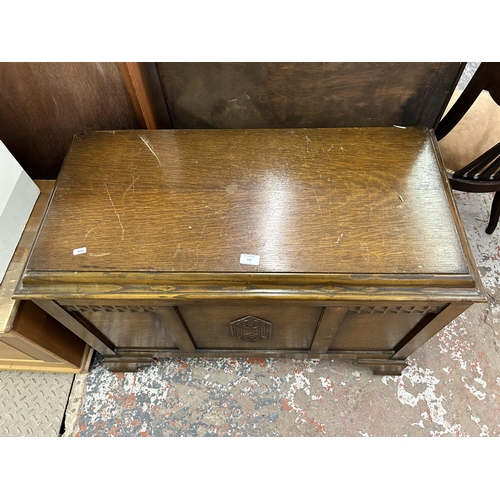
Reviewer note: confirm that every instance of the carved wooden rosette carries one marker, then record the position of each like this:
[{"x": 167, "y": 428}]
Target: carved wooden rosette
[{"x": 251, "y": 329}]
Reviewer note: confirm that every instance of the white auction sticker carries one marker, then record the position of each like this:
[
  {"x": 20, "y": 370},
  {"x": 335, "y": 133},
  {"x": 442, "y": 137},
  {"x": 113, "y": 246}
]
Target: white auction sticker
[
  {"x": 78, "y": 251},
  {"x": 251, "y": 260}
]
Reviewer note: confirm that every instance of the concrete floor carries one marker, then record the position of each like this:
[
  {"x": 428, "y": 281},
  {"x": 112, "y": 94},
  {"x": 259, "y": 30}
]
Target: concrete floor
[{"x": 450, "y": 388}]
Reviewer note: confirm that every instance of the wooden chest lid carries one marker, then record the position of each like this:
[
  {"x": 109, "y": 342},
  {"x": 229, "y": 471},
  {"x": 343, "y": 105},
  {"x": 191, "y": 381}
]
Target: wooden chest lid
[{"x": 360, "y": 201}]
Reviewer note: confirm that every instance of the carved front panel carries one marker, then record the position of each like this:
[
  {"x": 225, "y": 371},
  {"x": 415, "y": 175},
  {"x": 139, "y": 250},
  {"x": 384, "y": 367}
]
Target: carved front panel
[
  {"x": 380, "y": 327},
  {"x": 126, "y": 326},
  {"x": 230, "y": 326}
]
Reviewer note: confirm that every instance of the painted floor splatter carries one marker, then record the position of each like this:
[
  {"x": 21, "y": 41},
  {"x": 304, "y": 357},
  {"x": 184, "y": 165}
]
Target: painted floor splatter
[{"x": 450, "y": 388}]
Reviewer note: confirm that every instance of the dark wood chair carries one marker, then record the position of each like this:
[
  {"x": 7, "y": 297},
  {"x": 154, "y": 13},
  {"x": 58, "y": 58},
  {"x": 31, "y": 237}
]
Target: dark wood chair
[{"x": 482, "y": 174}]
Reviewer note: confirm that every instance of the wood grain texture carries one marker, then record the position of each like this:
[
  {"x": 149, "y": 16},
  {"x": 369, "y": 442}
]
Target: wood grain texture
[
  {"x": 131, "y": 361},
  {"x": 174, "y": 324},
  {"x": 362, "y": 252},
  {"x": 330, "y": 320},
  {"x": 440, "y": 321},
  {"x": 15, "y": 353},
  {"x": 32, "y": 365},
  {"x": 144, "y": 88},
  {"x": 35, "y": 325},
  {"x": 263, "y": 353},
  {"x": 306, "y": 201},
  {"x": 376, "y": 332},
  {"x": 128, "y": 329},
  {"x": 92, "y": 337},
  {"x": 44, "y": 104},
  {"x": 341, "y": 329},
  {"x": 456, "y": 215},
  {"x": 293, "y": 326},
  {"x": 274, "y": 95},
  {"x": 384, "y": 367},
  {"x": 238, "y": 289}
]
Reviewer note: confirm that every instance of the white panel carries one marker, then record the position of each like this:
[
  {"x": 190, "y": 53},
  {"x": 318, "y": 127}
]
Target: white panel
[{"x": 18, "y": 194}]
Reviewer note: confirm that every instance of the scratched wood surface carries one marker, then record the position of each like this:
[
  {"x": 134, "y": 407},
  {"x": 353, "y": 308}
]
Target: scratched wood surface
[
  {"x": 360, "y": 245},
  {"x": 366, "y": 201},
  {"x": 332, "y": 94}
]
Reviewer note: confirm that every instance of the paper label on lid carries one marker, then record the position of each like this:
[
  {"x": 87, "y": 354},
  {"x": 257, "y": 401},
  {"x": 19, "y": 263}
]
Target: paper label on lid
[
  {"x": 78, "y": 251},
  {"x": 250, "y": 260}
]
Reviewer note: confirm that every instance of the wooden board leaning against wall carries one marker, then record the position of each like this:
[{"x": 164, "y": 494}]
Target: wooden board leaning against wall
[{"x": 42, "y": 105}]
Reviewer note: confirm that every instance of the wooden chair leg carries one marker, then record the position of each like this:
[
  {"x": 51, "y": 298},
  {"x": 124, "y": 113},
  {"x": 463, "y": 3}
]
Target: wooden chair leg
[{"x": 495, "y": 213}]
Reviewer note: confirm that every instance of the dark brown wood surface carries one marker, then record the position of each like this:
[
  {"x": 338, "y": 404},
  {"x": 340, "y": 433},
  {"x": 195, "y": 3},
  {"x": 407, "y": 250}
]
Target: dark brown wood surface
[
  {"x": 362, "y": 252},
  {"x": 42, "y": 105},
  {"x": 263, "y": 95},
  {"x": 384, "y": 366},
  {"x": 293, "y": 326},
  {"x": 330, "y": 320},
  {"x": 174, "y": 325},
  {"x": 364, "y": 332},
  {"x": 363, "y": 201},
  {"x": 429, "y": 330},
  {"x": 93, "y": 337}
]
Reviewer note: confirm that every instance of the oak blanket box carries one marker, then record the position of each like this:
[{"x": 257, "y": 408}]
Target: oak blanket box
[{"x": 308, "y": 243}]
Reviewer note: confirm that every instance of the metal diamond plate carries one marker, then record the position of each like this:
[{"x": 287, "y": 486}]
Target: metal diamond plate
[{"x": 33, "y": 404}]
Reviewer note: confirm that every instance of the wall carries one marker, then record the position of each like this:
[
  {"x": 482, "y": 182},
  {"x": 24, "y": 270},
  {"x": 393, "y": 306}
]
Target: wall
[{"x": 42, "y": 105}]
